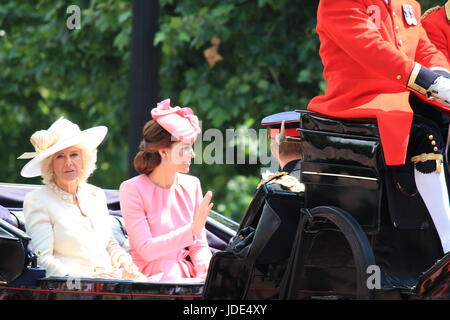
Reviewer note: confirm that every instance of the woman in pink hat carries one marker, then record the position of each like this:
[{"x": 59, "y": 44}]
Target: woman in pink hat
[{"x": 163, "y": 208}]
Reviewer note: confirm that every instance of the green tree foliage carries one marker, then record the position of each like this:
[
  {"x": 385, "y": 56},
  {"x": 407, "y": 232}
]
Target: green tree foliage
[
  {"x": 427, "y": 4},
  {"x": 48, "y": 71},
  {"x": 269, "y": 64}
]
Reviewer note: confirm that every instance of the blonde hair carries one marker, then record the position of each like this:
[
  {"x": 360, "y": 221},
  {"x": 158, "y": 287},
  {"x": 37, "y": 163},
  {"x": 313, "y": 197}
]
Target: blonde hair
[{"x": 89, "y": 159}]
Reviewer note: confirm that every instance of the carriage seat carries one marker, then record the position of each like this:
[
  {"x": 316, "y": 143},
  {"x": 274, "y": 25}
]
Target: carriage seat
[
  {"x": 320, "y": 122},
  {"x": 16, "y": 218},
  {"x": 268, "y": 228},
  {"x": 341, "y": 167},
  {"x": 344, "y": 157},
  {"x": 217, "y": 242},
  {"x": 7, "y": 216},
  {"x": 118, "y": 229}
]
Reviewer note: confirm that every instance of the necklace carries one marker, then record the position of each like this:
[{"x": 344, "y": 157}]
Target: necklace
[
  {"x": 67, "y": 197},
  {"x": 63, "y": 195}
]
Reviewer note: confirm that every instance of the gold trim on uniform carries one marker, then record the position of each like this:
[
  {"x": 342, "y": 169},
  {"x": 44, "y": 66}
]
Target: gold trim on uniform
[
  {"x": 268, "y": 179},
  {"x": 285, "y": 180},
  {"x": 429, "y": 156},
  {"x": 430, "y": 11},
  {"x": 290, "y": 183},
  {"x": 412, "y": 80}
]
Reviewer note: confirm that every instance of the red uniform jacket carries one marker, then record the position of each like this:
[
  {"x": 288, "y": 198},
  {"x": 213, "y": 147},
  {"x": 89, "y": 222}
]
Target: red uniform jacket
[
  {"x": 370, "y": 55},
  {"x": 437, "y": 25}
]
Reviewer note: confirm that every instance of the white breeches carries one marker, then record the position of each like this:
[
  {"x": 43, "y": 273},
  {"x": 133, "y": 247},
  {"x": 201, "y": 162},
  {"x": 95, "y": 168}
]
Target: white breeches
[{"x": 433, "y": 189}]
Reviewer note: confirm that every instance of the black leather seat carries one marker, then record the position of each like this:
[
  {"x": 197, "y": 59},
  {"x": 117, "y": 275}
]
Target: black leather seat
[
  {"x": 11, "y": 197},
  {"x": 343, "y": 166},
  {"x": 14, "y": 250},
  {"x": 119, "y": 231},
  {"x": 5, "y": 215}
]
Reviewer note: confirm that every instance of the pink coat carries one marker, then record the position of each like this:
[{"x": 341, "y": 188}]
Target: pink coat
[{"x": 158, "y": 222}]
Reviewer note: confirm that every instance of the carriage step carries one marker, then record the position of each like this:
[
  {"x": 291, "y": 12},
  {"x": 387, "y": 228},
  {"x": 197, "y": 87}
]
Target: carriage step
[{"x": 435, "y": 279}]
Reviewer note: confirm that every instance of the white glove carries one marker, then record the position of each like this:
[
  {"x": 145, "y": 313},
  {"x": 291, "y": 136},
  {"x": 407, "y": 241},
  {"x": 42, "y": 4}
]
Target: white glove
[{"x": 440, "y": 90}]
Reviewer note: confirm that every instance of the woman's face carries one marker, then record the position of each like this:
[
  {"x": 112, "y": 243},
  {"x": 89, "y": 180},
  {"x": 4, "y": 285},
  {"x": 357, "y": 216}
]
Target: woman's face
[
  {"x": 67, "y": 165},
  {"x": 178, "y": 156}
]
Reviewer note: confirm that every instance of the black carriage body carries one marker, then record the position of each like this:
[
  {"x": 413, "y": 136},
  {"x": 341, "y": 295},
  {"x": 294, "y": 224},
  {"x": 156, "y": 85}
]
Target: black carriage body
[
  {"x": 341, "y": 167},
  {"x": 344, "y": 169},
  {"x": 351, "y": 223},
  {"x": 66, "y": 288},
  {"x": 255, "y": 262}
]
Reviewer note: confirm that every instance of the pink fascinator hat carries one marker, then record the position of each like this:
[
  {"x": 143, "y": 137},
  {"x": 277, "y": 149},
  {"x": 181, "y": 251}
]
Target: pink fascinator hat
[{"x": 181, "y": 123}]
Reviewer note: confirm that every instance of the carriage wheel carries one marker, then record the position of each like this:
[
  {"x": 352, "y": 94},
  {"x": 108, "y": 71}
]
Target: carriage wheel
[{"x": 332, "y": 218}]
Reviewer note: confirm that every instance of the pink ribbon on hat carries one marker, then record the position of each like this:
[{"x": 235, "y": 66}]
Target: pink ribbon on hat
[{"x": 179, "y": 122}]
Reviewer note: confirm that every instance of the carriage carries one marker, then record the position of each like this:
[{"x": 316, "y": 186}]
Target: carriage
[
  {"x": 356, "y": 232},
  {"x": 22, "y": 279}
]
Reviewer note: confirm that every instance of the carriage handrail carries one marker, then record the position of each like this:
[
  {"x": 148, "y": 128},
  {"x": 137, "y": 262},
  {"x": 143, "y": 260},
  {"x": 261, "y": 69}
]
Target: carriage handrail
[{"x": 341, "y": 135}]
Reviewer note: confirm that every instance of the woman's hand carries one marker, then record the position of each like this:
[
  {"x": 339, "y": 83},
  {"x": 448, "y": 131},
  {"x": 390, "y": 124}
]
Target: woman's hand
[
  {"x": 107, "y": 274},
  {"x": 134, "y": 275},
  {"x": 125, "y": 262},
  {"x": 130, "y": 271},
  {"x": 202, "y": 213}
]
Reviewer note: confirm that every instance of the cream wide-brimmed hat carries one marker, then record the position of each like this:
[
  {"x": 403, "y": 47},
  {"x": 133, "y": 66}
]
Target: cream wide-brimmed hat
[{"x": 62, "y": 134}]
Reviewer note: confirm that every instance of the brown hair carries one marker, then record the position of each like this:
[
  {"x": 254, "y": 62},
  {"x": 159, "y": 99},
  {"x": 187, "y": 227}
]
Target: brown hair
[{"x": 155, "y": 138}]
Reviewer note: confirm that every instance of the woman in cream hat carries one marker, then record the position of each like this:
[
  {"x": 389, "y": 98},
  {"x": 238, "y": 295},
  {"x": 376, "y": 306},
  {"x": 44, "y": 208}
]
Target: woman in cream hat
[
  {"x": 67, "y": 218},
  {"x": 163, "y": 208}
]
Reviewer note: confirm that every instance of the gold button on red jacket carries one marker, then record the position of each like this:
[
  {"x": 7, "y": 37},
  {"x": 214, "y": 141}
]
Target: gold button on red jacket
[{"x": 367, "y": 71}]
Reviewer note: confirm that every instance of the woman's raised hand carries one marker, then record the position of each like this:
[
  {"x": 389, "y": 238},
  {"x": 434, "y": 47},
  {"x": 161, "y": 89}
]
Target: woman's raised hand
[{"x": 202, "y": 213}]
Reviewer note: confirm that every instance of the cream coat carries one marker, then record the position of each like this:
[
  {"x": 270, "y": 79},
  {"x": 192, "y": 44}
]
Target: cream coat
[{"x": 67, "y": 243}]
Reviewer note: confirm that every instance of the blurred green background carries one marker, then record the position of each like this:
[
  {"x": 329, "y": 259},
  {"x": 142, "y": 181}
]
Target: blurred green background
[{"x": 269, "y": 64}]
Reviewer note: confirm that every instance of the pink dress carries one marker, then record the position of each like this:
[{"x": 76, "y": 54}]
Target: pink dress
[{"x": 158, "y": 222}]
